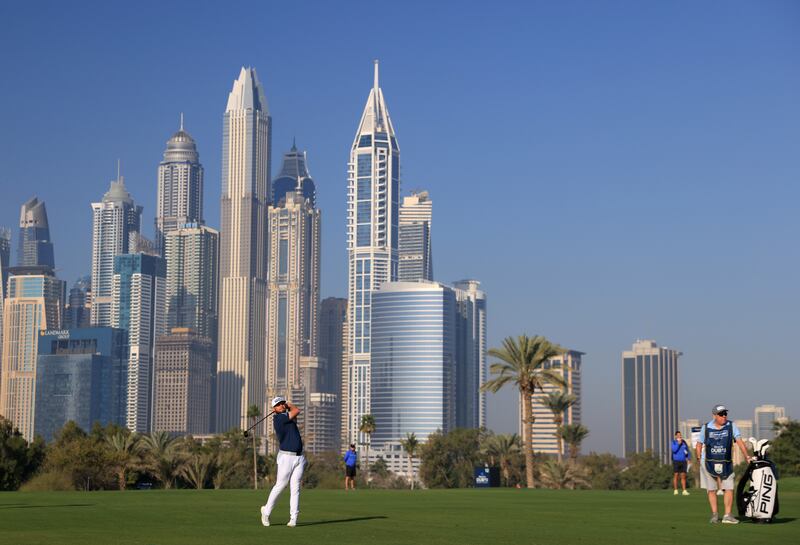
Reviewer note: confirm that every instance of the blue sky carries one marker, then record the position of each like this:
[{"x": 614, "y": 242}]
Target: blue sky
[{"x": 608, "y": 170}]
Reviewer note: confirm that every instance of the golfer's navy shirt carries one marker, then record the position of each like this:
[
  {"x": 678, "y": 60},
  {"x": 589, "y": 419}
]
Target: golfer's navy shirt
[{"x": 287, "y": 433}]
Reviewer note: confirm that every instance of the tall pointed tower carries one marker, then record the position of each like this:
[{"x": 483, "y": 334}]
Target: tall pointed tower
[
  {"x": 373, "y": 183},
  {"x": 246, "y": 143}
]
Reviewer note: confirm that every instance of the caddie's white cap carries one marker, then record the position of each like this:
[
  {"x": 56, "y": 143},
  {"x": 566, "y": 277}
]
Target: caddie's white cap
[{"x": 278, "y": 400}]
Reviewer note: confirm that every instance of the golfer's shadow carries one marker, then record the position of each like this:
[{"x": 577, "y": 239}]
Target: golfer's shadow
[{"x": 355, "y": 519}]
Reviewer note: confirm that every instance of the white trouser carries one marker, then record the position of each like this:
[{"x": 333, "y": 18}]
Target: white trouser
[{"x": 290, "y": 469}]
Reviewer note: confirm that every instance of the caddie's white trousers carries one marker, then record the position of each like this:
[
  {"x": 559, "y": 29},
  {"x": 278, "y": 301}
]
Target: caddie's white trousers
[{"x": 290, "y": 470}]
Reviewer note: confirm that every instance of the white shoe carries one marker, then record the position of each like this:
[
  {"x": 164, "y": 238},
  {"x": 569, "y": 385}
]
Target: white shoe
[
  {"x": 264, "y": 516},
  {"x": 685, "y": 493},
  {"x": 675, "y": 492},
  {"x": 292, "y": 523}
]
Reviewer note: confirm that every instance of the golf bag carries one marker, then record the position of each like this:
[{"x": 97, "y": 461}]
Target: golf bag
[{"x": 757, "y": 491}]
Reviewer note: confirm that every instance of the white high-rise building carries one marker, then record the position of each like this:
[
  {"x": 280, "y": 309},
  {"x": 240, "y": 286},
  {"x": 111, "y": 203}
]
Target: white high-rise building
[
  {"x": 180, "y": 187},
  {"x": 293, "y": 308},
  {"x": 544, "y": 428},
  {"x": 373, "y": 197},
  {"x": 247, "y": 134},
  {"x": 414, "y": 246},
  {"x": 114, "y": 218},
  {"x": 765, "y": 418}
]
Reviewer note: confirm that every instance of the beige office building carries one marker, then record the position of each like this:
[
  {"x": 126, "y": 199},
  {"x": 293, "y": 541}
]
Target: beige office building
[
  {"x": 544, "y": 428},
  {"x": 247, "y": 128},
  {"x": 182, "y": 381},
  {"x": 34, "y": 303}
]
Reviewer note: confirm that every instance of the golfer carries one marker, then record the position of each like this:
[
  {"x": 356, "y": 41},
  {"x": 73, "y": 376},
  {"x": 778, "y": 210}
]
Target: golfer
[
  {"x": 680, "y": 459},
  {"x": 350, "y": 461},
  {"x": 291, "y": 461},
  {"x": 716, "y": 460}
]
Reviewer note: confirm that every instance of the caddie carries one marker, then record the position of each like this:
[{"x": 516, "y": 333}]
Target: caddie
[{"x": 714, "y": 449}]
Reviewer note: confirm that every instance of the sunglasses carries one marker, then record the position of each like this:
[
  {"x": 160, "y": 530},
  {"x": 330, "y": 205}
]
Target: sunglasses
[{"x": 723, "y": 413}]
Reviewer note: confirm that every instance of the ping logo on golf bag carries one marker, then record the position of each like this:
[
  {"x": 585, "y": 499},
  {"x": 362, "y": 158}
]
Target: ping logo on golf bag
[{"x": 765, "y": 503}]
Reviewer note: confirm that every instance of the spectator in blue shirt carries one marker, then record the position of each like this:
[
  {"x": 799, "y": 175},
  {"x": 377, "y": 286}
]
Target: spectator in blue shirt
[
  {"x": 350, "y": 461},
  {"x": 680, "y": 460}
]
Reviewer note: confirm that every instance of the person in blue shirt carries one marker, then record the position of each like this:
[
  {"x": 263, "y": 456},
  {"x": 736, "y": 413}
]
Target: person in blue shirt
[
  {"x": 680, "y": 460},
  {"x": 715, "y": 451},
  {"x": 291, "y": 461},
  {"x": 350, "y": 461}
]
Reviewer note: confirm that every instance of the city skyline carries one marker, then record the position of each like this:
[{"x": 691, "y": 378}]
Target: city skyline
[{"x": 640, "y": 168}]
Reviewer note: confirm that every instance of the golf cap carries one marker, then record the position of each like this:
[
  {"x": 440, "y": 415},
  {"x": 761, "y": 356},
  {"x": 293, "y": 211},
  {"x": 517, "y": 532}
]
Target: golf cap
[
  {"x": 278, "y": 400},
  {"x": 718, "y": 409}
]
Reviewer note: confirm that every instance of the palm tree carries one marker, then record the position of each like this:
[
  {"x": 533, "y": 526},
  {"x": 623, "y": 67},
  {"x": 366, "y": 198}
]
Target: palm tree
[
  {"x": 163, "y": 457},
  {"x": 573, "y": 435},
  {"x": 556, "y": 474},
  {"x": 125, "y": 449},
  {"x": 197, "y": 468},
  {"x": 410, "y": 444},
  {"x": 522, "y": 363},
  {"x": 253, "y": 412},
  {"x": 558, "y": 402},
  {"x": 367, "y": 427},
  {"x": 501, "y": 449}
]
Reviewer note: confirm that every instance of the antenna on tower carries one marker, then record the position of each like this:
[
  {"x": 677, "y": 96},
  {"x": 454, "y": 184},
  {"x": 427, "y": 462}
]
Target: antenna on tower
[
  {"x": 118, "y": 169},
  {"x": 181, "y": 120}
]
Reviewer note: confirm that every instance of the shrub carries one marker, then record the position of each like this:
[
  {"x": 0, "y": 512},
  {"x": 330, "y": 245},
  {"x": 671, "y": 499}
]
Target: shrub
[{"x": 49, "y": 481}]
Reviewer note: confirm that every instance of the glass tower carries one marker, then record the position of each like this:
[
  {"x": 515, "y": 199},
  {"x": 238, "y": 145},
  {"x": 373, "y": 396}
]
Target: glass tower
[
  {"x": 246, "y": 138},
  {"x": 180, "y": 187},
  {"x": 79, "y": 377},
  {"x": 294, "y": 173},
  {"x": 415, "y": 250},
  {"x": 372, "y": 240},
  {"x": 649, "y": 399},
  {"x": 413, "y": 361},
  {"x": 35, "y": 245},
  {"x": 139, "y": 307},
  {"x": 470, "y": 354}
]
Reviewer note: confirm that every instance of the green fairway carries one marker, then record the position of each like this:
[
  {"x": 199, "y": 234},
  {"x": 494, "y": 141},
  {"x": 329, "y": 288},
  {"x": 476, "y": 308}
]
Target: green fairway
[{"x": 381, "y": 517}]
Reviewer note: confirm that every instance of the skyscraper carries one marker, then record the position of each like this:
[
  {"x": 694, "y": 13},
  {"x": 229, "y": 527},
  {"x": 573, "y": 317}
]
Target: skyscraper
[
  {"x": 649, "y": 398},
  {"x": 35, "y": 244},
  {"x": 372, "y": 237},
  {"x": 114, "y": 218},
  {"x": 247, "y": 129},
  {"x": 765, "y": 418},
  {"x": 34, "y": 303},
  {"x": 415, "y": 249},
  {"x": 5, "y": 262},
  {"x": 182, "y": 382},
  {"x": 413, "y": 362},
  {"x": 192, "y": 275},
  {"x": 293, "y": 176},
  {"x": 294, "y": 275},
  {"x": 139, "y": 306},
  {"x": 544, "y": 428},
  {"x": 79, "y": 377},
  {"x": 180, "y": 187},
  {"x": 332, "y": 340},
  {"x": 470, "y": 354},
  {"x": 77, "y": 313}
]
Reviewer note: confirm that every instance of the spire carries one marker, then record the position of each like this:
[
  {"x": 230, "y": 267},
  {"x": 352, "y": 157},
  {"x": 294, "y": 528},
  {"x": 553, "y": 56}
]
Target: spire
[
  {"x": 375, "y": 84},
  {"x": 375, "y": 118},
  {"x": 294, "y": 143},
  {"x": 119, "y": 162},
  {"x": 181, "y": 121},
  {"x": 376, "y": 113}
]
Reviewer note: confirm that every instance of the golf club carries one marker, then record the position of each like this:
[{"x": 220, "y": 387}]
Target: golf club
[{"x": 247, "y": 431}]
